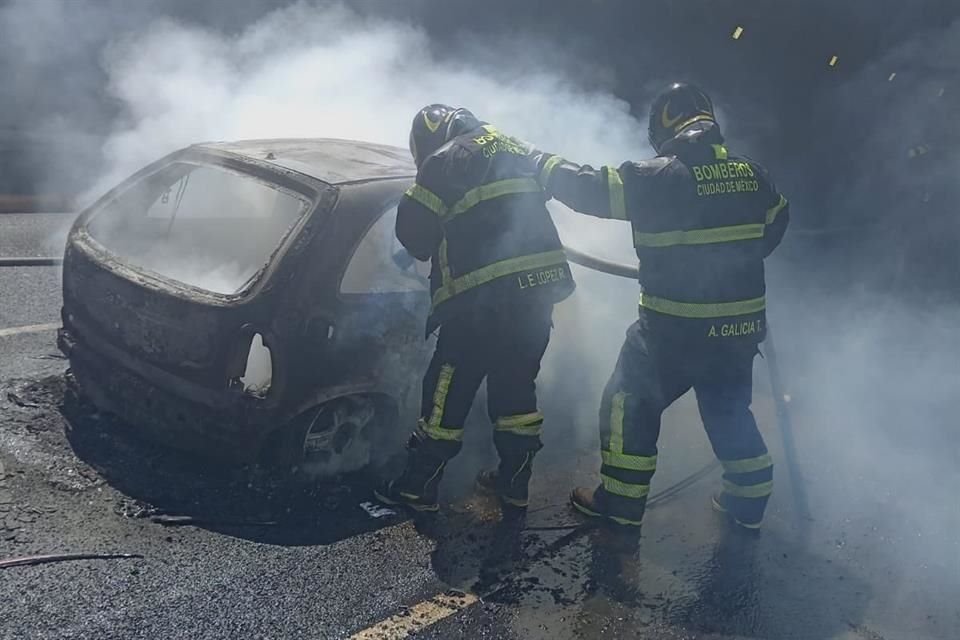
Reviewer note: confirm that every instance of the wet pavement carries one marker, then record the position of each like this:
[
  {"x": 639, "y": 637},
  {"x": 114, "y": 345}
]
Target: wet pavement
[
  {"x": 33, "y": 234},
  {"x": 260, "y": 559},
  {"x": 241, "y": 553}
]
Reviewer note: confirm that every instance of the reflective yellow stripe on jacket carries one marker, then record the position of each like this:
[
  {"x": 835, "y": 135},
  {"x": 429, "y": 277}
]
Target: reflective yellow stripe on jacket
[
  {"x": 547, "y": 170},
  {"x": 491, "y": 191},
  {"x": 472, "y": 198},
  {"x": 702, "y": 310},
  {"x": 733, "y": 233},
  {"x": 427, "y": 198},
  {"x": 618, "y": 207},
  {"x": 700, "y": 236},
  {"x": 497, "y": 270}
]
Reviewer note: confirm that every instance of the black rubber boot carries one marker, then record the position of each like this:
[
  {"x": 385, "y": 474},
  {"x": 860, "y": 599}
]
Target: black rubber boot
[
  {"x": 718, "y": 503},
  {"x": 487, "y": 482},
  {"x": 511, "y": 480},
  {"x": 417, "y": 485},
  {"x": 392, "y": 493},
  {"x": 596, "y": 503}
]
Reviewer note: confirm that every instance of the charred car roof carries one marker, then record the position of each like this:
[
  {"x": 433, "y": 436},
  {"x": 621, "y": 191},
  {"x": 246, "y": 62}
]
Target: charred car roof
[{"x": 330, "y": 160}]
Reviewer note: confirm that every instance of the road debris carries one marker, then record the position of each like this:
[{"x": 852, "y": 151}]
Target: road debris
[
  {"x": 49, "y": 356},
  {"x": 20, "y": 402},
  {"x": 138, "y": 509},
  {"x": 64, "y": 557},
  {"x": 135, "y": 509},
  {"x": 179, "y": 521},
  {"x": 376, "y": 511}
]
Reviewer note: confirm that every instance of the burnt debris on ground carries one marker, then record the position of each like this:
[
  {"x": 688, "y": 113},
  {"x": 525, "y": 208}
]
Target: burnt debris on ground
[{"x": 77, "y": 448}]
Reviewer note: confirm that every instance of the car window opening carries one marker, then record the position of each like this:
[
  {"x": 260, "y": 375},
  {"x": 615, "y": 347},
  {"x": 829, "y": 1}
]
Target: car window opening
[
  {"x": 202, "y": 225},
  {"x": 258, "y": 375},
  {"x": 380, "y": 264}
]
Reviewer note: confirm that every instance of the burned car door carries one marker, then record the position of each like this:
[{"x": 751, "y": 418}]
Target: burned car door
[
  {"x": 385, "y": 300},
  {"x": 367, "y": 342}
]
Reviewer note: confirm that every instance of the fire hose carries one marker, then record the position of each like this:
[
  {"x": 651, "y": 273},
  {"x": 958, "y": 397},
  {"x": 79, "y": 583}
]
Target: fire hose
[{"x": 46, "y": 261}]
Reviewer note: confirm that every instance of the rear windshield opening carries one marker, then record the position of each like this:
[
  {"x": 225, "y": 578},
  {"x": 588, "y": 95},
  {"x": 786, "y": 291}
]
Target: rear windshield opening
[{"x": 201, "y": 225}]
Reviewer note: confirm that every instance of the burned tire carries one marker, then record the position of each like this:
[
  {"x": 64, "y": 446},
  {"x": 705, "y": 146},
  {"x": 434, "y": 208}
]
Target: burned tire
[{"x": 336, "y": 437}]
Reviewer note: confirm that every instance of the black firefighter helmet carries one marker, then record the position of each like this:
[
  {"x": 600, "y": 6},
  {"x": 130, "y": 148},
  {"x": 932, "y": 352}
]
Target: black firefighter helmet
[
  {"x": 437, "y": 124},
  {"x": 678, "y": 107}
]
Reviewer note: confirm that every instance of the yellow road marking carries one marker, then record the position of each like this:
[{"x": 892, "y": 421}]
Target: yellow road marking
[
  {"x": 31, "y": 328},
  {"x": 416, "y": 618}
]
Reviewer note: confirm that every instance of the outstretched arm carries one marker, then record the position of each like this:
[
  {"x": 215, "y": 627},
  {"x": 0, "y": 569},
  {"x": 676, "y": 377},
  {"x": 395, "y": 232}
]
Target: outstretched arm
[
  {"x": 418, "y": 222},
  {"x": 595, "y": 192}
]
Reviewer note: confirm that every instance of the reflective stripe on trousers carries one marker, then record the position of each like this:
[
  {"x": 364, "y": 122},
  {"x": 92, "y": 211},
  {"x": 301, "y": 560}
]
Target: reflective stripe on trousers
[
  {"x": 432, "y": 427},
  {"x": 528, "y": 424},
  {"x": 625, "y": 477},
  {"x": 748, "y": 477}
]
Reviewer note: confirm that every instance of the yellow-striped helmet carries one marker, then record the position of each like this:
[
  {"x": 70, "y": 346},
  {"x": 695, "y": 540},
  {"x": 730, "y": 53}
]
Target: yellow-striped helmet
[
  {"x": 678, "y": 107},
  {"x": 435, "y": 125}
]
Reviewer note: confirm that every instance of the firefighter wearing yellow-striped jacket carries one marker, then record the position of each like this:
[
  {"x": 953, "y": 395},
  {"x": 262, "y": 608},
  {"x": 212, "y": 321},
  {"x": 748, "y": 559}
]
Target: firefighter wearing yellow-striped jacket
[
  {"x": 703, "y": 220},
  {"x": 478, "y": 213}
]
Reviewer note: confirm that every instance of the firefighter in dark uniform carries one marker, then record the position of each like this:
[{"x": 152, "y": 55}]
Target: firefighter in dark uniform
[
  {"x": 703, "y": 220},
  {"x": 478, "y": 213}
]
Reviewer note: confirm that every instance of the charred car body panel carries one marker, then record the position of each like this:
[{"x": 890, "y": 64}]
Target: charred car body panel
[{"x": 336, "y": 315}]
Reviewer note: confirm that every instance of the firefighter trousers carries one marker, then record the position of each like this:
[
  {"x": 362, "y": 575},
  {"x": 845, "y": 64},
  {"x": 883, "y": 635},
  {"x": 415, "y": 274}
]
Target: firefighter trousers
[
  {"x": 505, "y": 347},
  {"x": 651, "y": 374}
]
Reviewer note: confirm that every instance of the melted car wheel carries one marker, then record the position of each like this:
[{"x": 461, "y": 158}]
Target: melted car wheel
[{"x": 338, "y": 437}]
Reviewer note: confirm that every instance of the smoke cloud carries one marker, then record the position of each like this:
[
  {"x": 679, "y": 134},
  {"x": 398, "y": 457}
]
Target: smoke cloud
[
  {"x": 866, "y": 312},
  {"x": 307, "y": 72},
  {"x": 312, "y": 71},
  {"x": 868, "y": 351}
]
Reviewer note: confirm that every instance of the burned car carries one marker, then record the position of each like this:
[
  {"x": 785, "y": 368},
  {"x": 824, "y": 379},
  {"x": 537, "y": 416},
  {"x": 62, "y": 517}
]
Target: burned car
[{"x": 249, "y": 301}]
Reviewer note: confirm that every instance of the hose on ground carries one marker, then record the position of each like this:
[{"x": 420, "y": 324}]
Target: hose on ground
[{"x": 46, "y": 261}]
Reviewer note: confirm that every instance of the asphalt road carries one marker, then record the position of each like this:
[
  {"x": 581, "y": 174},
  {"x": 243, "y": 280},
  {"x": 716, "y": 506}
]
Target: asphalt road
[
  {"x": 30, "y": 295},
  {"x": 263, "y": 561}
]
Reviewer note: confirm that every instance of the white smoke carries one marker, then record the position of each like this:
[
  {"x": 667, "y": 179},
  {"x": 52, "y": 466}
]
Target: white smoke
[
  {"x": 311, "y": 71},
  {"x": 873, "y": 380},
  {"x": 867, "y": 321}
]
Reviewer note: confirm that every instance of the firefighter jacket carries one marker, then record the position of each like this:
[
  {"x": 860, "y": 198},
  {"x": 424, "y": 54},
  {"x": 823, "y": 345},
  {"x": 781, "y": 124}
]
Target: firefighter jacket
[
  {"x": 703, "y": 220},
  {"x": 478, "y": 213}
]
